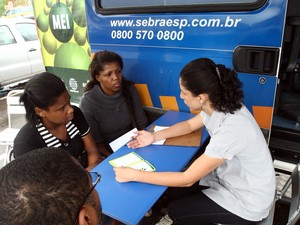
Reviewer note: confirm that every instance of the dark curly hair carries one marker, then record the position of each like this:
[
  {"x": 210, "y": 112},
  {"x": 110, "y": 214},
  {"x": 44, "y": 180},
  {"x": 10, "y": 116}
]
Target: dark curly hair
[
  {"x": 221, "y": 84},
  {"x": 97, "y": 65},
  {"x": 43, "y": 187}
]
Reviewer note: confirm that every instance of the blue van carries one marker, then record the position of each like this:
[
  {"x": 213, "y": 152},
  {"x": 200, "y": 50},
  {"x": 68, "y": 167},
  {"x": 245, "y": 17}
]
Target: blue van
[{"x": 259, "y": 39}]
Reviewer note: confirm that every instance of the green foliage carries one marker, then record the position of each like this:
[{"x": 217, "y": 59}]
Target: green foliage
[{"x": 2, "y": 9}]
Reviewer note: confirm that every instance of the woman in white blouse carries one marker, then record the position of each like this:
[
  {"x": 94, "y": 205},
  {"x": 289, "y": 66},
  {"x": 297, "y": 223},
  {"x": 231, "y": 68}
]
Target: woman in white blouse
[{"x": 237, "y": 179}]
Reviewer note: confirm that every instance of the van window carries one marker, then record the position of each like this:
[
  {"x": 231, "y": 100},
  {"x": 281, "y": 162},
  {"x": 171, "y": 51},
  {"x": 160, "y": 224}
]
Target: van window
[
  {"x": 6, "y": 37},
  {"x": 154, "y": 6},
  {"x": 28, "y": 31},
  {"x": 133, "y": 3}
]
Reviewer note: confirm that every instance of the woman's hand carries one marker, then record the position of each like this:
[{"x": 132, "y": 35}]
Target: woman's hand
[
  {"x": 124, "y": 174},
  {"x": 142, "y": 139}
]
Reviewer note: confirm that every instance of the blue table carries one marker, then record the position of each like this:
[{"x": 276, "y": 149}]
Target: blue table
[{"x": 129, "y": 202}]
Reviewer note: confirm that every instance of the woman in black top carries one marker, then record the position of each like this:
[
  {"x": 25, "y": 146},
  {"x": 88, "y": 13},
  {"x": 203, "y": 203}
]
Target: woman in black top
[{"x": 53, "y": 122}]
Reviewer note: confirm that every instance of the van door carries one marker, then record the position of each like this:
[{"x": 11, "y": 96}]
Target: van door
[
  {"x": 32, "y": 46},
  {"x": 14, "y": 61},
  {"x": 20, "y": 50}
]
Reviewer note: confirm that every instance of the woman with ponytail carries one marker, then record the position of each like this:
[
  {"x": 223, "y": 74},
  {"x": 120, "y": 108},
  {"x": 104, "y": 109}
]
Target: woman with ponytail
[
  {"x": 53, "y": 122},
  {"x": 233, "y": 181}
]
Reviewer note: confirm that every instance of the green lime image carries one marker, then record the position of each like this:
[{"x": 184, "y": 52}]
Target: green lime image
[
  {"x": 61, "y": 22},
  {"x": 80, "y": 35},
  {"x": 70, "y": 55},
  {"x": 42, "y": 22},
  {"x": 69, "y": 2},
  {"x": 46, "y": 10},
  {"x": 49, "y": 3},
  {"x": 49, "y": 43},
  {"x": 78, "y": 10}
]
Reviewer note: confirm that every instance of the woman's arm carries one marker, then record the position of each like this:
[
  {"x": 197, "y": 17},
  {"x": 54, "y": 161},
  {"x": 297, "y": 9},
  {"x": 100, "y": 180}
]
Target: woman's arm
[
  {"x": 180, "y": 128},
  {"x": 93, "y": 155},
  {"x": 199, "y": 168},
  {"x": 145, "y": 138},
  {"x": 103, "y": 150}
]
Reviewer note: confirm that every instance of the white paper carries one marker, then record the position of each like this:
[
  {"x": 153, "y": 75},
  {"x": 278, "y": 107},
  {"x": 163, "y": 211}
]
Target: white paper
[
  {"x": 157, "y": 128},
  {"x": 132, "y": 160},
  {"x": 125, "y": 160},
  {"x": 121, "y": 141},
  {"x": 142, "y": 165}
]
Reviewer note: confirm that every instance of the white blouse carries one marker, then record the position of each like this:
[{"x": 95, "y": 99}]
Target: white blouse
[{"x": 245, "y": 183}]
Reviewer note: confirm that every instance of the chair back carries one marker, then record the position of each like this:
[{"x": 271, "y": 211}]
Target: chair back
[
  {"x": 13, "y": 105},
  {"x": 294, "y": 213},
  {"x": 269, "y": 219}
]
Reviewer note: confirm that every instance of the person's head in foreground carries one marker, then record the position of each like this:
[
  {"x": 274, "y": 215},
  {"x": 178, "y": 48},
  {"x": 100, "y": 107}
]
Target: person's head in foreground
[{"x": 48, "y": 186}]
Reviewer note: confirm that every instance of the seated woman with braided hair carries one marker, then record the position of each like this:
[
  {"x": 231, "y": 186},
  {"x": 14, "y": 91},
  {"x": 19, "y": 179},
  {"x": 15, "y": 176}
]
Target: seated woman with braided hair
[
  {"x": 111, "y": 103},
  {"x": 53, "y": 122},
  {"x": 236, "y": 173}
]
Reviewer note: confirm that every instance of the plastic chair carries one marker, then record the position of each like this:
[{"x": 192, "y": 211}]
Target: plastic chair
[
  {"x": 8, "y": 135},
  {"x": 294, "y": 180},
  {"x": 269, "y": 219}
]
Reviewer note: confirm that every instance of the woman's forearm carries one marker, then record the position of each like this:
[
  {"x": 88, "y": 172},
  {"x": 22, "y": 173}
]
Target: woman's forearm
[
  {"x": 178, "y": 129},
  {"x": 169, "y": 179}
]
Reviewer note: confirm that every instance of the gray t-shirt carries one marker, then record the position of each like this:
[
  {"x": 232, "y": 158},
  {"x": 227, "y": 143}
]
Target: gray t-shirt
[
  {"x": 245, "y": 183},
  {"x": 109, "y": 116}
]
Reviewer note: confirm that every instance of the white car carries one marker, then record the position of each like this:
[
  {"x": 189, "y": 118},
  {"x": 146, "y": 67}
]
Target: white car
[{"x": 20, "y": 51}]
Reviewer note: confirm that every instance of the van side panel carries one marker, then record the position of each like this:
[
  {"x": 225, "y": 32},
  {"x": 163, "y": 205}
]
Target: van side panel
[{"x": 155, "y": 47}]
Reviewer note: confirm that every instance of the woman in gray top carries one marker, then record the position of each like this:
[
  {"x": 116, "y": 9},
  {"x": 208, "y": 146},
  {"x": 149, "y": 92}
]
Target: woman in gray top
[{"x": 110, "y": 103}]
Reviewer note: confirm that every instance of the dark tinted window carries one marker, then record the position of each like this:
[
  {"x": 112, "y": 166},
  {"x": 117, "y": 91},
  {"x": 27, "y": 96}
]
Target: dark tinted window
[
  {"x": 142, "y": 3},
  {"x": 146, "y": 6}
]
